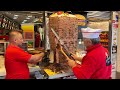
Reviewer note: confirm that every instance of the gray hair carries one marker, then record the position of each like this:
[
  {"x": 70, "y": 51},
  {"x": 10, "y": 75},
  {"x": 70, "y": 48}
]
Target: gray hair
[{"x": 95, "y": 41}]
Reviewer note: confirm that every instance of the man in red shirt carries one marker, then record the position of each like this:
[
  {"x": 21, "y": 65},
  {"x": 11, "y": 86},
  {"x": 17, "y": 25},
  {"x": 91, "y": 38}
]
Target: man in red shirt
[
  {"x": 96, "y": 63},
  {"x": 16, "y": 59}
]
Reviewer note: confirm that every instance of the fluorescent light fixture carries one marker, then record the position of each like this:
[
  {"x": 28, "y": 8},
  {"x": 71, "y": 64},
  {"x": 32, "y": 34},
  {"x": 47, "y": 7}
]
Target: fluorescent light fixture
[
  {"x": 16, "y": 15},
  {"x": 40, "y": 13},
  {"x": 30, "y": 16},
  {"x": 27, "y": 18},
  {"x": 35, "y": 20},
  {"x": 80, "y": 42},
  {"x": 24, "y": 20},
  {"x": 34, "y": 12}
]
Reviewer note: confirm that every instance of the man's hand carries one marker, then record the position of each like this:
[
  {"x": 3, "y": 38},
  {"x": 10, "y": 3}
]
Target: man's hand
[
  {"x": 36, "y": 58},
  {"x": 42, "y": 54},
  {"x": 76, "y": 57},
  {"x": 59, "y": 47},
  {"x": 40, "y": 59},
  {"x": 71, "y": 63}
]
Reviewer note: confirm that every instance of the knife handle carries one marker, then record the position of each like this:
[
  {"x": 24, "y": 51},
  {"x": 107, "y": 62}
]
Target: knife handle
[{"x": 70, "y": 56}]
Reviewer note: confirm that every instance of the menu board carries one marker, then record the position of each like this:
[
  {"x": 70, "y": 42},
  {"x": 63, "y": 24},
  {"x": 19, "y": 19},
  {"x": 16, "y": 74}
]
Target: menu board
[{"x": 7, "y": 23}]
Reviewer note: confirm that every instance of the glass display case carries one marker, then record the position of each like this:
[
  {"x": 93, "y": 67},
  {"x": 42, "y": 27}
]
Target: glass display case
[{"x": 2, "y": 47}]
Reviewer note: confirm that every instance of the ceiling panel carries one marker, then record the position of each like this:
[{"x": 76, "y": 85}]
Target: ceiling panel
[{"x": 22, "y": 15}]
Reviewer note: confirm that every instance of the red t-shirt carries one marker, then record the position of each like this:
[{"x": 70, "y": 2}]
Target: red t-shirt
[
  {"x": 16, "y": 60},
  {"x": 94, "y": 64}
]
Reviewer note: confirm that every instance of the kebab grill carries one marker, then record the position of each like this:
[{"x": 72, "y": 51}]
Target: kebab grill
[{"x": 66, "y": 27}]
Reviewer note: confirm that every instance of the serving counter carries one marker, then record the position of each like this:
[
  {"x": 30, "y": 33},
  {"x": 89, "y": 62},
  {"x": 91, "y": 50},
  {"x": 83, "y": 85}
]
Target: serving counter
[
  {"x": 3, "y": 71},
  {"x": 33, "y": 68},
  {"x": 67, "y": 75}
]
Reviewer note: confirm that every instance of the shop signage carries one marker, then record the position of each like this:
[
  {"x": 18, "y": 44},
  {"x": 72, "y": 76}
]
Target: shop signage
[{"x": 114, "y": 40}]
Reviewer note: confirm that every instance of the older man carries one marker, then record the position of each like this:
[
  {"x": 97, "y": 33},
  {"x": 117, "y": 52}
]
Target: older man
[
  {"x": 16, "y": 59},
  {"x": 96, "y": 63}
]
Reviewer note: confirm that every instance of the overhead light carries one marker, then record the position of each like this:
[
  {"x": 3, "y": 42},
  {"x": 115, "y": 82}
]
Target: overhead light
[
  {"x": 35, "y": 19},
  {"x": 27, "y": 18},
  {"x": 16, "y": 15},
  {"x": 24, "y": 20},
  {"x": 34, "y": 12},
  {"x": 40, "y": 13},
  {"x": 80, "y": 42},
  {"x": 30, "y": 16}
]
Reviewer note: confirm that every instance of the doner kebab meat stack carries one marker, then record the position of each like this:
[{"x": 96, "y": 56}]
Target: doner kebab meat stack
[{"x": 65, "y": 25}]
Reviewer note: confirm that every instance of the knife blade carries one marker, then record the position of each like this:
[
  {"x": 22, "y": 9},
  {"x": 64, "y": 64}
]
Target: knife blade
[{"x": 62, "y": 44}]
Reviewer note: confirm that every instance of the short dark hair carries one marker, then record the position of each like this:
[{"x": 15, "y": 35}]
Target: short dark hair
[
  {"x": 95, "y": 41},
  {"x": 19, "y": 31},
  {"x": 11, "y": 33}
]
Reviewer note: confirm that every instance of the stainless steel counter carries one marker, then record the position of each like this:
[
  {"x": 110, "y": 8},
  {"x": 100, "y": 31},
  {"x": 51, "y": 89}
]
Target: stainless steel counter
[
  {"x": 3, "y": 71},
  {"x": 68, "y": 75}
]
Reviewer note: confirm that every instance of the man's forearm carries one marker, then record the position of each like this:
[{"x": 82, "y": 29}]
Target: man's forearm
[{"x": 36, "y": 58}]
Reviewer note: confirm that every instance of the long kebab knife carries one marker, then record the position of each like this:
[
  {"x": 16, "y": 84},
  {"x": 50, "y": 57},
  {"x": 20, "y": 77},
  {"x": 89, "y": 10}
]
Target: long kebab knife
[{"x": 66, "y": 51}]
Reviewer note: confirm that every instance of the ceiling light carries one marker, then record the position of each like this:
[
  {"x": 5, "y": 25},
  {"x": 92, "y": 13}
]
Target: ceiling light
[
  {"x": 40, "y": 13},
  {"x": 30, "y": 16},
  {"x": 24, "y": 20},
  {"x": 27, "y": 18},
  {"x": 16, "y": 15},
  {"x": 35, "y": 20},
  {"x": 34, "y": 12}
]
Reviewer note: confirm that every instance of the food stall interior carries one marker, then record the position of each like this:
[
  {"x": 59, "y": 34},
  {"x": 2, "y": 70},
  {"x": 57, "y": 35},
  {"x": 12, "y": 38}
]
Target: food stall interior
[
  {"x": 42, "y": 39},
  {"x": 14, "y": 20}
]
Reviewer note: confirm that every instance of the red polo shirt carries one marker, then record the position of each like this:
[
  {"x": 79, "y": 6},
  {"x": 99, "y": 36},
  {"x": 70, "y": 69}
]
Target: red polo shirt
[
  {"x": 94, "y": 64},
  {"x": 16, "y": 61}
]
